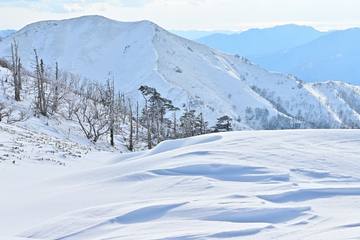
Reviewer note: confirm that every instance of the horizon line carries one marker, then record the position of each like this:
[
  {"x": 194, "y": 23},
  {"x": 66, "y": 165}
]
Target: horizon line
[{"x": 322, "y": 27}]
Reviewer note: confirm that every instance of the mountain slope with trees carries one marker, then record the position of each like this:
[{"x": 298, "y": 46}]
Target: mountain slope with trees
[{"x": 168, "y": 86}]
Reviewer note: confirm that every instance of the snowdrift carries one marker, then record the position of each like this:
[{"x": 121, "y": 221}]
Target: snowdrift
[{"x": 242, "y": 185}]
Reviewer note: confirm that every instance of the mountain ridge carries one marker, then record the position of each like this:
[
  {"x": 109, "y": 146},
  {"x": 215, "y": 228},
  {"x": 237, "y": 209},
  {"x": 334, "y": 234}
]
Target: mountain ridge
[
  {"x": 189, "y": 73},
  {"x": 262, "y": 41},
  {"x": 317, "y": 57},
  {"x": 329, "y": 57}
]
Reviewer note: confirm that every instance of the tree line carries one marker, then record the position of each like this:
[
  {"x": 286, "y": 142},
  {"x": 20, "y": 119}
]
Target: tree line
[{"x": 102, "y": 111}]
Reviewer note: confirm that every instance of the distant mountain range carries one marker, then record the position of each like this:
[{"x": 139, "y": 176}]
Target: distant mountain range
[
  {"x": 299, "y": 50},
  {"x": 334, "y": 56},
  {"x": 260, "y": 42},
  {"x": 195, "y": 34}
]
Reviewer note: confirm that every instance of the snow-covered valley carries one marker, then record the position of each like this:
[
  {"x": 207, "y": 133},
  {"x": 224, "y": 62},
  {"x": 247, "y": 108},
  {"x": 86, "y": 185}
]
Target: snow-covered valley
[{"x": 298, "y": 184}]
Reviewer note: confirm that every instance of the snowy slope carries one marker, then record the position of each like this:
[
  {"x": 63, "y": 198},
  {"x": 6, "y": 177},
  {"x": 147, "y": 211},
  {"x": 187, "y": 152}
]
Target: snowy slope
[
  {"x": 184, "y": 71},
  {"x": 6, "y": 33},
  {"x": 240, "y": 185},
  {"x": 343, "y": 100},
  {"x": 25, "y": 138}
]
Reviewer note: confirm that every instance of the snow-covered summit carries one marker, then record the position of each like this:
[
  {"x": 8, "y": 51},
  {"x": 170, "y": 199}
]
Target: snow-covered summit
[{"x": 138, "y": 53}]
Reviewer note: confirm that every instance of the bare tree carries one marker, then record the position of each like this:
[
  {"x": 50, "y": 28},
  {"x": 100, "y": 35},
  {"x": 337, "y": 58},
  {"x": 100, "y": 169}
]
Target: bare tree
[
  {"x": 92, "y": 114},
  {"x": 131, "y": 131},
  {"x": 55, "y": 90},
  {"x": 41, "y": 103},
  {"x": 3, "y": 112},
  {"x": 111, "y": 104},
  {"x": 70, "y": 90},
  {"x": 16, "y": 69},
  {"x": 137, "y": 121},
  {"x": 123, "y": 107},
  {"x": 11, "y": 115}
]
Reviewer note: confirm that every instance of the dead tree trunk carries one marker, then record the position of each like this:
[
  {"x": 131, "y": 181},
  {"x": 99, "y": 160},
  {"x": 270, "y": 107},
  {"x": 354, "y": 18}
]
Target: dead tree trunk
[
  {"x": 111, "y": 89},
  {"x": 174, "y": 125},
  {"x": 55, "y": 102},
  {"x": 16, "y": 70},
  {"x": 148, "y": 126},
  {"x": 137, "y": 121},
  {"x": 40, "y": 77},
  {"x": 131, "y": 143}
]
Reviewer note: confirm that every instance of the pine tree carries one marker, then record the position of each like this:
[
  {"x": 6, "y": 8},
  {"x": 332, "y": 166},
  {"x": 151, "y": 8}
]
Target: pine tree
[
  {"x": 224, "y": 123},
  {"x": 144, "y": 93},
  {"x": 156, "y": 108},
  {"x": 188, "y": 123}
]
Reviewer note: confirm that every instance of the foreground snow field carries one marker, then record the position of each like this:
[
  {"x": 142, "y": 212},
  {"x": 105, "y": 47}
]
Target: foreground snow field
[{"x": 242, "y": 185}]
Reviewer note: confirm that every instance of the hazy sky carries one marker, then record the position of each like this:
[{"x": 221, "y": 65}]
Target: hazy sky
[{"x": 190, "y": 14}]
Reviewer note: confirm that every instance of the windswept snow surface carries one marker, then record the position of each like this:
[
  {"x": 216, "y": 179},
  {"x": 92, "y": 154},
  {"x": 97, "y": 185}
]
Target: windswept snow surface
[{"x": 240, "y": 185}]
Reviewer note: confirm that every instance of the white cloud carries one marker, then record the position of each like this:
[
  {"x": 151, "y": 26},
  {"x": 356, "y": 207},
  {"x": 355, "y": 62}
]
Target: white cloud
[
  {"x": 190, "y": 14},
  {"x": 71, "y": 5}
]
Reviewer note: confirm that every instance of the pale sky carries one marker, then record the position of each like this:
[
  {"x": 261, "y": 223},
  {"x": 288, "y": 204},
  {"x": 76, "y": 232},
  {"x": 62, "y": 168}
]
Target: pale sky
[{"x": 230, "y": 15}]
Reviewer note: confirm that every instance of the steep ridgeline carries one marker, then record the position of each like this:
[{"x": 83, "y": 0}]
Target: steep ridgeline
[{"x": 191, "y": 74}]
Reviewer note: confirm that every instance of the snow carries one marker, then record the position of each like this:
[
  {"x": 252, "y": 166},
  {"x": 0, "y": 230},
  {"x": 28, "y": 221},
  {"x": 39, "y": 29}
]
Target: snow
[
  {"x": 6, "y": 33},
  {"x": 142, "y": 53},
  {"x": 240, "y": 185},
  {"x": 302, "y": 184}
]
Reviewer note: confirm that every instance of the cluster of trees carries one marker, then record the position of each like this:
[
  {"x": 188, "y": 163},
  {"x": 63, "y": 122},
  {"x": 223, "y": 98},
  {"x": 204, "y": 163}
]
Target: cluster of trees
[
  {"x": 260, "y": 118},
  {"x": 102, "y": 111},
  {"x": 159, "y": 116}
]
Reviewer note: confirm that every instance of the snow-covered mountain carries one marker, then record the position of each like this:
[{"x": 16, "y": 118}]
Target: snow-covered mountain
[
  {"x": 187, "y": 72},
  {"x": 58, "y": 183}
]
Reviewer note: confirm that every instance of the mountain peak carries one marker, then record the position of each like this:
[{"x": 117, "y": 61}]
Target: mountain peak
[
  {"x": 190, "y": 74},
  {"x": 89, "y": 21}
]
